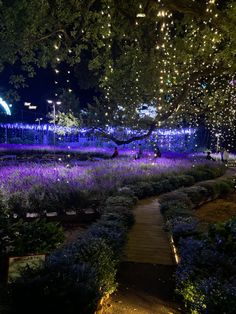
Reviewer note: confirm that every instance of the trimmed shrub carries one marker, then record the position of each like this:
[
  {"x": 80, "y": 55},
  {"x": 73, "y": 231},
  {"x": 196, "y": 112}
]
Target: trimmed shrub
[
  {"x": 207, "y": 172},
  {"x": 167, "y": 186},
  {"x": 177, "y": 210},
  {"x": 142, "y": 189},
  {"x": 212, "y": 188},
  {"x": 225, "y": 187},
  {"x": 122, "y": 212},
  {"x": 126, "y": 218},
  {"x": 56, "y": 289},
  {"x": 113, "y": 233},
  {"x": 120, "y": 201},
  {"x": 157, "y": 187},
  {"x": 186, "y": 180},
  {"x": 206, "y": 275},
  {"x": 197, "y": 194},
  {"x": 174, "y": 202},
  {"x": 182, "y": 227},
  {"x": 126, "y": 191},
  {"x": 96, "y": 252}
]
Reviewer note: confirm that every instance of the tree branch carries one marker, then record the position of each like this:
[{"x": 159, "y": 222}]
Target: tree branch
[
  {"x": 50, "y": 35},
  {"x": 130, "y": 140}
]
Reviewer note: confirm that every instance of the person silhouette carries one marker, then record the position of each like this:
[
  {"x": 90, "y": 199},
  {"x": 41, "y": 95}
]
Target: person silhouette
[
  {"x": 209, "y": 157},
  {"x": 157, "y": 152},
  {"x": 140, "y": 152},
  {"x": 225, "y": 156},
  {"x": 116, "y": 153}
]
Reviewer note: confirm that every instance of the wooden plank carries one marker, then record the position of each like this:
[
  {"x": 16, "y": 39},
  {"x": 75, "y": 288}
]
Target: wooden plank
[{"x": 147, "y": 240}]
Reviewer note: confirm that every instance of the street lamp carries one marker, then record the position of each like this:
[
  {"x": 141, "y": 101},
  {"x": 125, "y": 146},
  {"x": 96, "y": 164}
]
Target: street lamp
[
  {"x": 30, "y": 106},
  {"x": 38, "y": 120}
]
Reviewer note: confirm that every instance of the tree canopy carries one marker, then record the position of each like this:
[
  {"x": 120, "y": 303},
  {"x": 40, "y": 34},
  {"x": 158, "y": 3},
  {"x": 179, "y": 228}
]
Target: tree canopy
[{"x": 174, "y": 56}]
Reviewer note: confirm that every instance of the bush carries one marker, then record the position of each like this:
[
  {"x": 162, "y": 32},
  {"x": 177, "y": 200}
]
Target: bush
[
  {"x": 120, "y": 201},
  {"x": 122, "y": 212},
  {"x": 199, "y": 175},
  {"x": 175, "y": 202},
  {"x": 17, "y": 203},
  {"x": 38, "y": 236},
  {"x": 167, "y": 186},
  {"x": 197, "y": 194},
  {"x": 177, "y": 210},
  {"x": 182, "y": 227},
  {"x": 73, "y": 278},
  {"x": 157, "y": 187},
  {"x": 56, "y": 289},
  {"x": 186, "y": 180},
  {"x": 225, "y": 187},
  {"x": 218, "y": 188},
  {"x": 40, "y": 200},
  {"x": 126, "y": 191},
  {"x": 125, "y": 217},
  {"x": 113, "y": 233},
  {"x": 21, "y": 238},
  {"x": 142, "y": 189},
  {"x": 207, "y": 172},
  {"x": 96, "y": 252},
  {"x": 206, "y": 276},
  {"x": 212, "y": 188}
]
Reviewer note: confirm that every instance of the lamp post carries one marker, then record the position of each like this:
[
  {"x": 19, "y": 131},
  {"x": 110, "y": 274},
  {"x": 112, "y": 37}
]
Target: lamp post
[
  {"x": 38, "y": 120},
  {"x": 38, "y": 131},
  {"x": 217, "y": 141},
  {"x": 54, "y": 103},
  {"x": 30, "y": 106}
]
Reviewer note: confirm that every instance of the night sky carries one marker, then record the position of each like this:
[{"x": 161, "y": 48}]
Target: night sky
[{"x": 40, "y": 88}]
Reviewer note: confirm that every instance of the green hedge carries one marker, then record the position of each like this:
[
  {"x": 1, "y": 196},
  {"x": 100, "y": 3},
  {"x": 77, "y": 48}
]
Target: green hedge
[
  {"x": 177, "y": 206},
  {"x": 206, "y": 273}
]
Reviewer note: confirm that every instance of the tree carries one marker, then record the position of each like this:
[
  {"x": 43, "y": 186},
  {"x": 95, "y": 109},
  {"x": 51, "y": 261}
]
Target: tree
[{"x": 175, "y": 55}]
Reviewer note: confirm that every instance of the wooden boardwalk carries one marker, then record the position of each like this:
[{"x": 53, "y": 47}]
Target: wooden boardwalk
[{"x": 147, "y": 241}]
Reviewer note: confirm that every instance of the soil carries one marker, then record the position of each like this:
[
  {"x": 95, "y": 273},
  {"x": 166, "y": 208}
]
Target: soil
[
  {"x": 144, "y": 289},
  {"x": 219, "y": 210}
]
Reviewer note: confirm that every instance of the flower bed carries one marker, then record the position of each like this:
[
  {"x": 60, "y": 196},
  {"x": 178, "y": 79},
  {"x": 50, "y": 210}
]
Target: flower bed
[
  {"x": 34, "y": 188},
  {"x": 76, "y": 277}
]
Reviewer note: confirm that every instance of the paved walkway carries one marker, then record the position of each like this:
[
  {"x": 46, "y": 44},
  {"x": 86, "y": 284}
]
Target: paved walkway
[{"x": 147, "y": 241}]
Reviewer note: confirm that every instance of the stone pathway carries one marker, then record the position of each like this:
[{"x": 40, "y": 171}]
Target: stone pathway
[{"x": 147, "y": 240}]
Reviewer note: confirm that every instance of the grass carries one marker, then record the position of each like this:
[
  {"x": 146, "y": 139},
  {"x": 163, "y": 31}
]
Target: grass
[{"x": 219, "y": 210}]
